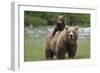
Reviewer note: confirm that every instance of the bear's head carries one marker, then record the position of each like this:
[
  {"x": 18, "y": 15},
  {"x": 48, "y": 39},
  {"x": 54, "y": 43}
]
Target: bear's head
[
  {"x": 71, "y": 33},
  {"x": 61, "y": 19}
]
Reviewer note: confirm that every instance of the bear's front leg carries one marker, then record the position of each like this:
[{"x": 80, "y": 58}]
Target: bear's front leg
[
  {"x": 72, "y": 51},
  {"x": 60, "y": 53},
  {"x": 49, "y": 54}
]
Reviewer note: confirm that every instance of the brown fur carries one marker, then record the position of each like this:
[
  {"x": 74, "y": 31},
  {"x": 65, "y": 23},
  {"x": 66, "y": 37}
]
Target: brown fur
[
  {"x": 59, "y": 25},
  {"x": 60, "y": 44}
]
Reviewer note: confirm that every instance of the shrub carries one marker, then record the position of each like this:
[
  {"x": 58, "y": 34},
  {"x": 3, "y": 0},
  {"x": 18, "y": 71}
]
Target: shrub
[{"x": 35, "y": 21}]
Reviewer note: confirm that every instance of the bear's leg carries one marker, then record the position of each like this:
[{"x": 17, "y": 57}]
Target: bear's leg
[
  {"x": 72, "y": 51},
  {"x": 60, "y": 54},
  {"x": 49, "y": 54}
]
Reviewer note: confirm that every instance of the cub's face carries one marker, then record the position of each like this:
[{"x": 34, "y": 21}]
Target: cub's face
[
  {"x": 61, "y": 19},
  {"x": 71, "y": 33}
]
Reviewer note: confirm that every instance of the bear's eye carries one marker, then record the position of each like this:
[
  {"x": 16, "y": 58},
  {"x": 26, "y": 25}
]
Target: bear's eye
[
  {"x": 73, "y": 31},
  {"x": 68, "y": 31}
]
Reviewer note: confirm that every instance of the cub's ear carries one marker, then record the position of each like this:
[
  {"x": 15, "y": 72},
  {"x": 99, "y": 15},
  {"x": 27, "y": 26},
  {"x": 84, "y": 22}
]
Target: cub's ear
[
  {"x": 66, "y": 27},
  {"x": 76, "y": 28}
]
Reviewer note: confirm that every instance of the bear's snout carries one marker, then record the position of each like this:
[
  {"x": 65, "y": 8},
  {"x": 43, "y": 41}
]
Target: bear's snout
[{"x": 71, "y": 35}]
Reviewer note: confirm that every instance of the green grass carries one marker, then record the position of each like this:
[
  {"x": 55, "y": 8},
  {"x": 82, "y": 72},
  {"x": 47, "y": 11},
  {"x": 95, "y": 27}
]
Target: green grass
[
  {"x": 34, "y": 51},
  {"x": 33, "y": 48},
  {"x": 83, "y": 50}
]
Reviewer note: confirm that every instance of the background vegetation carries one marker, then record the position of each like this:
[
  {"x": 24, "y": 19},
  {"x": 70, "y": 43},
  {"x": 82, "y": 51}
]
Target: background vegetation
[{"x": 49, "y": 18}]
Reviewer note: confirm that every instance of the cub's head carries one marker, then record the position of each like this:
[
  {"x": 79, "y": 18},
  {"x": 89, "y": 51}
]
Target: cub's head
[
  {"x": 61, "y": 19},
  {"x": 71, "y": 33}
]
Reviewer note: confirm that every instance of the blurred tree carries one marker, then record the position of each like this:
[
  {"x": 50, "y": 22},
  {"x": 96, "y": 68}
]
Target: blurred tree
[{"x": 50, "y": 18}]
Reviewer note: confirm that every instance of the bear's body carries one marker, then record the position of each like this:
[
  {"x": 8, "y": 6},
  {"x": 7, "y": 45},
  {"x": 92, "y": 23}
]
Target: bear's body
[{"x": 63, "y": 42}]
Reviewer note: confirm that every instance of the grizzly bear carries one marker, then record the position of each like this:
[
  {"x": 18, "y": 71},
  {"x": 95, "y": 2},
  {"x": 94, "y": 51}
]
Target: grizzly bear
[{"x": 63, "y": 42}]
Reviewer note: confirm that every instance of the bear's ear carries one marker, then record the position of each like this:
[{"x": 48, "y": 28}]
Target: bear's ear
[
  {"x": 66, "y": 27},
  {"x": 76, "y": 28}
]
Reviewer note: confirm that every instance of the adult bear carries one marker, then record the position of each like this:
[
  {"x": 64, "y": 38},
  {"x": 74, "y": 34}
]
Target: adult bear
[{"x": 63, "y": 42}]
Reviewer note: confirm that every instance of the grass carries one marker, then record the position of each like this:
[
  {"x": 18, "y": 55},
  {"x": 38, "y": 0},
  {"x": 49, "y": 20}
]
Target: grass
[
  {"x": 83, "y": 50},
  {"x": 33, "y": 48},
  {"x": 34, "y": 51}
]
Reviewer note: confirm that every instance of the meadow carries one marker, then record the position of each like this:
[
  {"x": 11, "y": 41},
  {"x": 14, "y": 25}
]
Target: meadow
[{"x": 34, "y": 43}]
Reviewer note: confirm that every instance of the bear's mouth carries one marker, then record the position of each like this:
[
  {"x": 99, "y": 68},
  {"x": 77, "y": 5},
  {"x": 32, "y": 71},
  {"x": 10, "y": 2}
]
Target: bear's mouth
[
  {"x": 71, "y": 40},
  {"x": 71, "y": 37}
]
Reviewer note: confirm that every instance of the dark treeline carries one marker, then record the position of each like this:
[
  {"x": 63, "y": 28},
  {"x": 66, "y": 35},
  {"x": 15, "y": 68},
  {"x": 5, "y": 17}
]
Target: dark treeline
[{"x": 50, "y": 18}]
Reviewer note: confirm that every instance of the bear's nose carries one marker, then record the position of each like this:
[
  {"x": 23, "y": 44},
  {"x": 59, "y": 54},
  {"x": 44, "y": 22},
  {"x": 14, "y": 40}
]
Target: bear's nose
[{"x": 71, "y": 35}]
